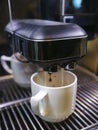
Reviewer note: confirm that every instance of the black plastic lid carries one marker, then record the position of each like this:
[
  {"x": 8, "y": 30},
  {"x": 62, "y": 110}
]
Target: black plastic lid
[{"x": 43, "y": 30}]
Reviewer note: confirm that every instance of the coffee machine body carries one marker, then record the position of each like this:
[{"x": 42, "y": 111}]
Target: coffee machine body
[{"x": 47, "y": 43}]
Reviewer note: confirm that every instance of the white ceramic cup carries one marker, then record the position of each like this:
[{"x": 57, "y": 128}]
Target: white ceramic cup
[
  {"x": 53, "y": 104},
  {"x": 20, "y": 71}
]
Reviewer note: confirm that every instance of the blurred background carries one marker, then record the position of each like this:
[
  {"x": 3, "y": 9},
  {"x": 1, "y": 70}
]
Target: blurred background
[{"x": 84, "y": 11}]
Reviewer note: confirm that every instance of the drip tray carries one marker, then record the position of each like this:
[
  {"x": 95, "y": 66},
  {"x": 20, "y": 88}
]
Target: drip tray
[{"x": 20, "y": 116}]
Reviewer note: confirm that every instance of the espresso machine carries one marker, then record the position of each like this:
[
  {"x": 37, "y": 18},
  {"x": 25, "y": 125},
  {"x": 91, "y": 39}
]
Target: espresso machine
[
  {"x": 50, "y": 44},
  {"x": 47, "y": 43}
]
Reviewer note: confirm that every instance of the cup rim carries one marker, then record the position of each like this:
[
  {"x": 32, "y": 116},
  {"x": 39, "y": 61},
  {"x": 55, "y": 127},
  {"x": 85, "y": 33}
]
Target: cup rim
[{"x": 57, "y": 87}]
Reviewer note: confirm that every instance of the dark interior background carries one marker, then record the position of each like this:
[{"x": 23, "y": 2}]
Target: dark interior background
[
  {"x": 41, "y": 9},
  {"x": 22, "y": 9}
]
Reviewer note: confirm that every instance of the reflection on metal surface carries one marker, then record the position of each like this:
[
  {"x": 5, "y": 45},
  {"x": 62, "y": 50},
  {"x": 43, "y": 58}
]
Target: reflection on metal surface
[
  {"x": 15, "y": 102},
  {"x": 20, "y": 116}
]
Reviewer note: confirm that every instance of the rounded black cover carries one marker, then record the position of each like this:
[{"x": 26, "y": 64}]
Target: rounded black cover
[{"x": 44, "y": 30}]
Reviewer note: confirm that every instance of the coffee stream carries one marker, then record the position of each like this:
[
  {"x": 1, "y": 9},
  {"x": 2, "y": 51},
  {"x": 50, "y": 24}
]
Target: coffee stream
[
  {"x": 50, "y": 79},
  {"x": 58, "y": 76}
]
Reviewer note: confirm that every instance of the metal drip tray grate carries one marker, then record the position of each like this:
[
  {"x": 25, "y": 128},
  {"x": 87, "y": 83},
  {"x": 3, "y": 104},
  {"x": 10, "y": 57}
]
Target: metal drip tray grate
[
  {"x": 11, "y": 91},
  {"x": 20, "y": 116}
]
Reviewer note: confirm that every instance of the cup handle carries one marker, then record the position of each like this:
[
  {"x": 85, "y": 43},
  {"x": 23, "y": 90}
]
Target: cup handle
[
  {"x": 4, "y": 60},
  {"x": 39, "y": 103}
]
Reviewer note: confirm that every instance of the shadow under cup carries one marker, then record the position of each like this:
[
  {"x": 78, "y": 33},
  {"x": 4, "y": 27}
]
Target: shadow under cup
[{"x": 54, "y": 94}]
